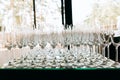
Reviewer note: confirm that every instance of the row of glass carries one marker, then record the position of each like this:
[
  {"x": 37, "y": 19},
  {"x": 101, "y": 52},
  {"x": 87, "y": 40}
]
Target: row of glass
[
  {"x": 91, "y": 41},
  {"x": 61, "y": 58}
]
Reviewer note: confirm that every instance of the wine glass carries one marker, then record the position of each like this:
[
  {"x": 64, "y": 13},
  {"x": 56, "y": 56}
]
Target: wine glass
[
  {"x": 62, "y": 39},
  {"x": 19, "y": 39},
  {"x": 91, "y": 42},
  {"x": 67, "y": 39},
  {"x": 116, "y": 47},
  {"x": 25, "y": 42},
  {"x": 13, "y": 39},
  {"x": 31, "y": 41},
  {"x": 8, "y": 42},
  {"x": 86, "y": 41},
  {"x": 111, "y": 34},
  {"x": 59, "y": 40},
  {"x": 78, "y": 39},
  {"x": 54, "y": 40},
  {"x": 105, "y": 38},
  {"x": 98, "y": 41},
  {"x": 75, "y": 39},
  {"x": 43, "y": 42},
  {"x": 82, "y": 42}
]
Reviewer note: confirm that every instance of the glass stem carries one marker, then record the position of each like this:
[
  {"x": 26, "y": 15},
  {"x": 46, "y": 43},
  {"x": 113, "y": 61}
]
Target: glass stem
[
  {"x": 91, "y": 49},
  {"x": 99, "y": 49},
  {"x": 96, "y": 49},
  {"x": 108, "y": 52},
  {"x": 116, "y": 57},
  {"x": 103, "y": 51}
]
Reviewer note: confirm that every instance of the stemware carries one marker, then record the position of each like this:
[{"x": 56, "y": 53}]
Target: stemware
[
  {"x": 14, "y": 44},
  {"x": 85, "y": 41},
  {"x": 64, "y": 42},
  {"x": 43, "y": 42},
  {"x": 82, "y": 42},
  {"x": 19, "y": 39},
  {"x": 91, "y": 42},
  {"x": 111, "y": 34},
  {"x": 68, "y": 39},
  {"x": 54, "y": 40},
  {"x": 61, "y": 39},
  {"x": 25, "y": 40},
  {"x": 8, "y": 43},
  {"x": 105, "y": 40},
  {"x": 116, "y": 47},
  {"x": 31, "y": 40},
  {"x": 100, "y": 42},
  {"x": 75, "y": 38},
  {"x": 79, "y": 38}
]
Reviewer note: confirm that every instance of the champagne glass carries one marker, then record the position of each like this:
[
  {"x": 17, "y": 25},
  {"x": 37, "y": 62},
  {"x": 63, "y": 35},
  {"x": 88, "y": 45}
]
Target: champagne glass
[
  {"x": 105, "y": 38},
  {"x": 75, "y": 37},
  {"x": 82, "y": 42},
  {"x": 31, "y": 43},
  {"x": 60, "y": 40},
  {"x": 64, "y": 34},
  {"x": 111, "y": 34},
  {"x": 43, "y": 41},
  {"x": 116, "y": 47},
  {"x": 67, "y": 39},
  {"x": 91, "y": 42},
  {"x": 55, "y": 40},
  {"x": 25, "y": 42},
  {"x": 14, "y": 39},
  {"x": 98, "y": 41},
  {"x": 8, "y": 43},
  {"x": 19, "y": 39},
  {"x": 86, "y": 41}
]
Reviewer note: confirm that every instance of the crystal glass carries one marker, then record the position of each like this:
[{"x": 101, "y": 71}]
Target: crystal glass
[
  {"x": 43, "y": 42},
  {"x": 116, "y": 47},
  {"x": 91, "y": 42},
  {"x": 8, "y": 43},
  {"x": 31, "y": 40},
  {"x": 19, "y": 39}
]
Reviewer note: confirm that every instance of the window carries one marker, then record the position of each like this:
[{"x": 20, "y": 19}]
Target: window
[{"x": 20, "y": 14}]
